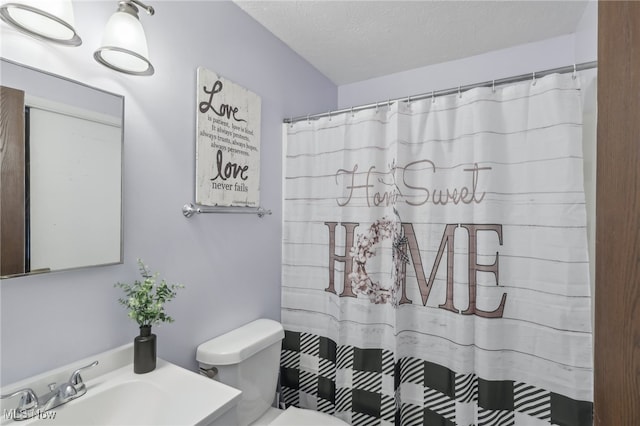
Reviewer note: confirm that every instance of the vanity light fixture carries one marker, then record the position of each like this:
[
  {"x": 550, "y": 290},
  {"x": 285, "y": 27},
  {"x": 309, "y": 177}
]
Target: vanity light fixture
[
  {"x": 50, "y": 20},
  {"x": 124, "y": 44}
]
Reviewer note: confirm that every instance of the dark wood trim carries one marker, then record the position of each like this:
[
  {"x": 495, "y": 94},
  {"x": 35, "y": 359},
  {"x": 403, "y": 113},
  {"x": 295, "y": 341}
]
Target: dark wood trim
[
  {"x": 12, "y": 186},
  {"x": 617, "y": 298}
]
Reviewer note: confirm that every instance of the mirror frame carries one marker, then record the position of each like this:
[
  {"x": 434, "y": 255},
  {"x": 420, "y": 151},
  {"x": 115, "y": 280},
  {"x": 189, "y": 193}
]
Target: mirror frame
[{"x": 121, "y": 99}]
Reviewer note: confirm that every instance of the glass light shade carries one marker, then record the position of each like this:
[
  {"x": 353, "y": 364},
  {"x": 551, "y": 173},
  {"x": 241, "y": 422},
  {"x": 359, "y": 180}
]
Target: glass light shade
[
  {"x": 50, "y": 20},
  {"x": 124, "y": 46}
]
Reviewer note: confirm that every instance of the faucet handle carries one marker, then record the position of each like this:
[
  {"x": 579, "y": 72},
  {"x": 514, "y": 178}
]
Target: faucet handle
[
  {"x": 76, "y": 379},
  {"x": 28, "y": 399}
]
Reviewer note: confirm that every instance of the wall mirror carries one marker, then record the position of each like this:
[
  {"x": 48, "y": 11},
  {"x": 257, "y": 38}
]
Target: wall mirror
[{"x": 60, "y": 173}]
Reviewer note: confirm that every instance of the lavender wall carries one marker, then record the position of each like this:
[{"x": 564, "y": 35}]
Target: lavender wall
[
  {"x": 230, "y": 264},
  {"x": 578, "y": 47}
]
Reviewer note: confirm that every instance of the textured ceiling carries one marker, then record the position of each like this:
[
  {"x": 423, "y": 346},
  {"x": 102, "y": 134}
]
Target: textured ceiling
[{"x": 351, "y": 41}]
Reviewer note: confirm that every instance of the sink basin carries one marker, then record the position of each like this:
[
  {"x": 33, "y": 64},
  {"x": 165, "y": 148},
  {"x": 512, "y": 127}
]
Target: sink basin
[
  {"x": 169, "y": 395},
  {"x": 134, "y": 402}
]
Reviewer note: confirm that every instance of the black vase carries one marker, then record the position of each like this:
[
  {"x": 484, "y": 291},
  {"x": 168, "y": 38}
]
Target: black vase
[{"x": 144, "y": 351}]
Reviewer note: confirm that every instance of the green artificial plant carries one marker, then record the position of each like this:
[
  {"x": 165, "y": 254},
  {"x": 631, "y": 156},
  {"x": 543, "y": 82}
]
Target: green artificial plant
[{"x": 145, "y": 299}]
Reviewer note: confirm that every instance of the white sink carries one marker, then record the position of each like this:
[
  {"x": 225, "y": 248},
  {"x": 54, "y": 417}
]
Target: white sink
[{"x": 169, "y": 395}]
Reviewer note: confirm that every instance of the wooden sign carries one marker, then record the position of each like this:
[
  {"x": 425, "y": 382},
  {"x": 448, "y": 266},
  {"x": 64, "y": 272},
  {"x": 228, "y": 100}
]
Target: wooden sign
[{"x": 227, "y": 143}]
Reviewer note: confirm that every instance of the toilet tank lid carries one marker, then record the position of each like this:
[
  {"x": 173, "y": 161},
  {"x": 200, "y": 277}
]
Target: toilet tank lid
[{"x": 239, "y": 344}]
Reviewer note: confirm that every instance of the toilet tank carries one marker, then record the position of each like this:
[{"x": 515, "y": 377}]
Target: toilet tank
[{"x": 247, "y": 358}]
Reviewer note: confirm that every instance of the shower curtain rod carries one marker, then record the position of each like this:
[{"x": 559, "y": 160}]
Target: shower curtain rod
[{"x": 492, "y": 83}]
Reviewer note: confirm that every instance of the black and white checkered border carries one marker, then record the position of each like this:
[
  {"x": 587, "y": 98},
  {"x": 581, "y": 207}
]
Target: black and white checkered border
[{"x": 364, "y": 387}]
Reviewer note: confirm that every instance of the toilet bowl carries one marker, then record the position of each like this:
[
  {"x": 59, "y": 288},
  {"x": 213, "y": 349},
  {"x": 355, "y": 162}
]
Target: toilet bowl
[
  {"x": 248, "y": 358},
  {"x": 293, "y": 416}
]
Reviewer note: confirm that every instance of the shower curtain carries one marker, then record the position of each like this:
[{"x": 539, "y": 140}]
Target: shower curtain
[{"x": 435, "y": 265}]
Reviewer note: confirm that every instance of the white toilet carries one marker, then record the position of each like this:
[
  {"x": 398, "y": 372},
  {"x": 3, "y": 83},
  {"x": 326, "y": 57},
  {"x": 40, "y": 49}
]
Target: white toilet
[{"x": 248, "y": 358}]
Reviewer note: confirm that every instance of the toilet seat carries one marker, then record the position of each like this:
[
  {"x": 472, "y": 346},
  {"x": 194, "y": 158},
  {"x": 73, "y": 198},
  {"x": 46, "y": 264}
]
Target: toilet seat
[{"x": 293, "y": 416}]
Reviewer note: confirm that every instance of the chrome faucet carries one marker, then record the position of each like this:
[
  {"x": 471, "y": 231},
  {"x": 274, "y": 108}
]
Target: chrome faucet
[{"x": 30, "y": 405}]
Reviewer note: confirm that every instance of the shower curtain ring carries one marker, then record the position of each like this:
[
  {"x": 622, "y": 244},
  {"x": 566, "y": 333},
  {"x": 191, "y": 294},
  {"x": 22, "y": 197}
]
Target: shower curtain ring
[
  {"x": 352, "y": 112},
  {"x": 493, "y": 86},
  {"x": 388, "y": 103},
  {"x": 291, "y": 122},
  {"x": 329, "y": 115},
  {"x": 433, "y": 96},
  {"x": 376, "y": 107},
  {"x": 533, "y": 83},
  {"x": 459, "y": 92},
  {"x": 308, "y": 121},
  {"x": 575, "y": 75}
]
